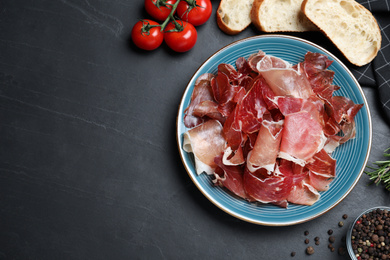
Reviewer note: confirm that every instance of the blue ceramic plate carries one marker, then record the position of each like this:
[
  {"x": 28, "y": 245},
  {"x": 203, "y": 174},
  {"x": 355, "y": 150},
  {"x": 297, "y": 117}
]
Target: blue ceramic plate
[{"x": 351, "y": 156}]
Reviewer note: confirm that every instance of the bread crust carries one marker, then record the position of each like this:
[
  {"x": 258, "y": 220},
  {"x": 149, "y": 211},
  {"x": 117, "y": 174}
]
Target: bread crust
[
  {"x": 363, "y": 62},
  {"x": 255, "y": 14},
  {"x": 257, "y": 22},
  {"x": 225, "y": 27},
  {"x": 303, "y": 5}
]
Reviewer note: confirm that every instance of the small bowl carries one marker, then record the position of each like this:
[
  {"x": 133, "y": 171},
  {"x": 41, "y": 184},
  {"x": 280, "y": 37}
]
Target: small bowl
[{"x": 349, "y": 234}]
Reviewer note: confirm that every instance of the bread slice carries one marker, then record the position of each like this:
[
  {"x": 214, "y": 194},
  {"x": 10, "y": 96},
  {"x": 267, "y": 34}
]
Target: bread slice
[
  {"x": 233, "y": 16},
  {"x": 280, "y": 16},
  {"x": 350, "y": 26}
]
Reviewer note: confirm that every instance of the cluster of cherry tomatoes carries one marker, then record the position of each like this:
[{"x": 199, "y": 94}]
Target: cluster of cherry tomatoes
[{"x": 178, "y": 32}]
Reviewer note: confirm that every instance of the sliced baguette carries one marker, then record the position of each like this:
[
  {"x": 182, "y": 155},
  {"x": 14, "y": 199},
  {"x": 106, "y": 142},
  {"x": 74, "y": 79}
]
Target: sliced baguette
[
  {"x": 280, "y": 16},
  {"x": 233, "y": 16},
  {"x": 350, "y": 26}
]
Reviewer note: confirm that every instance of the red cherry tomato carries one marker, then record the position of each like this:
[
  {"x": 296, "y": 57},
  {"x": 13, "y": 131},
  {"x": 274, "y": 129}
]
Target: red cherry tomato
[
  {"x": 158, "y": 12},
  {"x": 180, "y": 41},
  {"x": 145, "y": 37},
  {"x": 195, "y": 15}
]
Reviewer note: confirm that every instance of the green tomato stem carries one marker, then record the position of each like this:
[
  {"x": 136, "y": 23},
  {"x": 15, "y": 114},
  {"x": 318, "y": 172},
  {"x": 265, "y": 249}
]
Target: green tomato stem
[
  {"x": 170, "y": 16},
  {"x": 191, "y": 3}
]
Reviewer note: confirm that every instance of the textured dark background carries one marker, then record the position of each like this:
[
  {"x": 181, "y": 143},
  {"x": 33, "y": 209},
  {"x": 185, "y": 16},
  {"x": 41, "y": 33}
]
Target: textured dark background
[{"x": 89, "y": 166}]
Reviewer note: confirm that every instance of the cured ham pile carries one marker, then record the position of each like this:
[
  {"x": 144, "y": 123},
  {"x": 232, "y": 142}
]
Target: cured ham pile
[{"x": 265, "y": 129}]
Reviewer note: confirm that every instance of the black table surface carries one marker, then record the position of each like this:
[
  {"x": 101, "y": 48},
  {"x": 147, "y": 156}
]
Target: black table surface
[{"x": 89, "y": 164}]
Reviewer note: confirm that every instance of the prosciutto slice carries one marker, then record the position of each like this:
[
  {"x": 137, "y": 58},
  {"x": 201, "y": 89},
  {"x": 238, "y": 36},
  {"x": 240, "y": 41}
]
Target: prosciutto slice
[
  {"x": 315, "y": 66},
  {"x": 231, "y": 157},
  {"x": 301, "y": 191},
  {"x": 247, "y": 115},
  {"x": 205, "y": 142},
  {"x": 314, "y": 106},
  {"x": 232, "y": 132},
  {"x": 303, "y": 194},
  {"x": 250, "y": 111},
  {"x": 202, "y": 93},
  {"x": 266, "y": 148},
  {"x": 316, "y": 62},
  {"x": 332, "y": 143},
  {"x": 342, "y": 112},
  {"x": 224, "y": 93},
  {"x": 343, "y": 109},
  {"x": 302, "y": 138},
  {"x": 254, "y": 59},
  {"x": 208, "y": 110},
  {"x": 322, "y": 170},
  {"x": 231, "y": 177},
  {"x": 266, "y": 188},
  {"x": 283, "y": 79}
]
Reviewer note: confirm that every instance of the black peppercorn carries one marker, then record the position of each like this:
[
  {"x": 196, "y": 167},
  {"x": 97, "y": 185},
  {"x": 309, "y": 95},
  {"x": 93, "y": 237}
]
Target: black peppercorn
[
  {"x": 310, "y": 250},
  {"x": 341, "y": 251}
]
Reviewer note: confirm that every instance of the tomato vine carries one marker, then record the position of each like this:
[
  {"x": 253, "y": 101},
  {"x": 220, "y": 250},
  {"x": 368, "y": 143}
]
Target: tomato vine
[{"x": 190, "y": 13}]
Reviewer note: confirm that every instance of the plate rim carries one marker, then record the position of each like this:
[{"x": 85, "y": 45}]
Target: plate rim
[{"x": 248, "y": 219}]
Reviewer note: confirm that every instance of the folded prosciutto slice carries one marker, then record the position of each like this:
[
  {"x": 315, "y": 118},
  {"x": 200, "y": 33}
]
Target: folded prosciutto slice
[
  {"x": 302, "y": 138},
  {"x": 274, "y": 188},
  {"x": 301, "y": 191},
  {"x": 343, "y": 109},
  {"x": 266, "y": 147},
  {"x": 303, "y": 194},
  {"x": 342, "y": 112},
  {"x": 315, "y": 66},
  {"x": 230, "y": 177},
  {"x": 322, "y": 170},
  {"x": 205, "y": 142},
  {"x": 249, "y": 112},
  {"x": 231, "y": 157},
  {"x": 313, "y": 105},
  {"x": 202, "y": 93},
  {"x": 247, "y": 115},
  {"x": 283, "y": 79}
]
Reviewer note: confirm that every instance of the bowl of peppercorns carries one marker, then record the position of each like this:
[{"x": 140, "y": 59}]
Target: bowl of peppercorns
[{"x": 369, "y": 235}]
